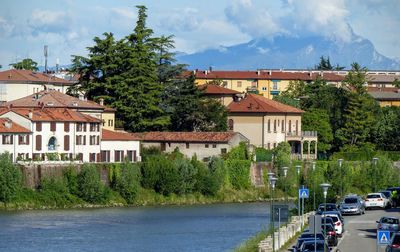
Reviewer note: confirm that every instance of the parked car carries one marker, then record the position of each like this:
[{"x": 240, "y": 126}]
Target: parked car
[
  {"x": 329, "y": 207},
  {"x": 388, "y": 194},
  {"x": 352, "y": 205},
  {"x": 374, "y": 200},
  {"x": 331, "y": 235},
  {"x": 337, "y": 223},
  {"x": 310, "y": 246},
  {"x": 301, "y": 240},
  {"x": 389, "y": 223},
  {"x": 394, "y": 245},
  {"x": 395, "y": 194},
  {"x": 337, "y": 213}
]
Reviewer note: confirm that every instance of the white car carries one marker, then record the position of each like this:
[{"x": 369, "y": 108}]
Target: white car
[
  {"x": 376, "y": 200},
  {"x": 339, "y": 227}
]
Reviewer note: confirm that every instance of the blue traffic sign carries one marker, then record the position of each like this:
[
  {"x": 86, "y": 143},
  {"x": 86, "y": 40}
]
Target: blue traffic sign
[
  {"x": 304, "y": 193},
  {"x": 383, "y": 237}
]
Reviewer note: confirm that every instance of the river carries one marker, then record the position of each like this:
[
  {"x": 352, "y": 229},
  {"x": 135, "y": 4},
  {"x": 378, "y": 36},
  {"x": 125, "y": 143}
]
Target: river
[{"x": 219, "y": 227}]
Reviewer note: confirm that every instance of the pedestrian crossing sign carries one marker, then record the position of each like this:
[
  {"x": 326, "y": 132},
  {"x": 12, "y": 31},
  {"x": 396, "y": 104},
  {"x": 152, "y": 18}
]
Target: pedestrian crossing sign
[
  {"x": 303, "y": 193},
  {"x": 383, "y": 237}
]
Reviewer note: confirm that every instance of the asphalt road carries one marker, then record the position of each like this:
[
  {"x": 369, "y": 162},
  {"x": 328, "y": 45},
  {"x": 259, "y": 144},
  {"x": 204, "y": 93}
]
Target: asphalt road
[{"x": 360, "y": 234}]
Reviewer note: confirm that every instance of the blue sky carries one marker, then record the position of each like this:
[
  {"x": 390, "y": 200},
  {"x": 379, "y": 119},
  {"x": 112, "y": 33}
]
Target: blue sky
[{"x": 68, "y": 26}]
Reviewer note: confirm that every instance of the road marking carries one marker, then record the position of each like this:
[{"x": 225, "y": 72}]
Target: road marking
[{"x": 361, "y": 234}]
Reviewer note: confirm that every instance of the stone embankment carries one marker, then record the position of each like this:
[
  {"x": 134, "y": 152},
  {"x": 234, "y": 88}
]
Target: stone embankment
[{"x": 284, "y": 233}]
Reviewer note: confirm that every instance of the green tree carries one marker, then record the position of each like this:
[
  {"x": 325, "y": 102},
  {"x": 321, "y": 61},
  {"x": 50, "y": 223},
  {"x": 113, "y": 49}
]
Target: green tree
[
  {"x": 213, "y": 116},
  {"x": 90, "y": 187},
  {"x": 295, "y": 89},
  {"x": 395, "y": 83},
  {"x": 325, "y": 64},
  {"x": 10, "y": 178},
  {"x": 386, "y": 134},
  {"x": 356, "y": 78},
  {"x": 26, "y": 64},
  {"x": 187, "y": 176},
  {"x": 128, "y": 182},
  {"x": 282, "y": 155},
  {"x": 318, "y": 120}
]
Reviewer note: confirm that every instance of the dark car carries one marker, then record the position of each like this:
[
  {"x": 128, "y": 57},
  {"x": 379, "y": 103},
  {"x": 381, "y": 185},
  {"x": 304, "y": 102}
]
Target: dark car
[
  {"x": 389, "y": 223},
  {"x": 388, "y": 194},
  {"x": 397, "y": 197},
  {"x": 310, "y": 246},
  {"x": 300, "y": 242},
  {"x": 331, "y": 235},
  {"x": 329, "y": 207},
  {"x": 319, "y": 236},
  {"x": 331, "y": 213},
  {"x": 394, "y": 245}
]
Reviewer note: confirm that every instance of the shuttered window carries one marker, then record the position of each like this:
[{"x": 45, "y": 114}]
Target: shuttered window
[
  {"x": 66, "y": 143},
  {"x": 53, "y": 126},
  {"x": 38, "y": 142},
  {"x": 38, "y": 126},
  {"x": 66, "y": 126}
]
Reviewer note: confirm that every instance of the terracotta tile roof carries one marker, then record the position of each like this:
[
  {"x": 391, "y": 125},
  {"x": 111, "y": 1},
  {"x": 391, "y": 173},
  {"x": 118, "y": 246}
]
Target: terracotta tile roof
[
  {"x": 382, "y": 89},
  {"x": 108, "y": 135},
  {"x": 198, "y": 137},
  {"x": 53, "y": 99},
  {"x": 8, "y": 126},
  {"x": 27, "y": 76},
  {"x": 254, "y": 103},
  {"x": 215, "y": 89},
  {"x": 266, "y": 75},
  {"x": 52, "y": 115},
  {"x": 385, "y": 96},
  {"x": 382, "y": 78}
]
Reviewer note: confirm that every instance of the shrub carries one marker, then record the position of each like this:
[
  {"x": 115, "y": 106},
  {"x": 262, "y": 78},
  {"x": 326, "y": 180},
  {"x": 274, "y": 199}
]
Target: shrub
[
  {"x": 218, "y": 172},
  {"x": 282, "y": 154},
  {"x": 151, "y": 151},
  {"x": 150, "y": 171},
  {"x": 263, "y": 155},
  {"x": 90, "y": 187},
  {"x": 239, "y": 152},
  {"x": 10, "y": 179},
  {"x": 71, "y": 179},
  {"x": 128, "y": 181},
  {"x": 239, "y": 173},
  {"x": 168, "y": 177},
  {"x": 186, "y": 176}
]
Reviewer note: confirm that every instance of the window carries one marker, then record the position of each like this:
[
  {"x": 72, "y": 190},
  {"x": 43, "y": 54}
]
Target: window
[
  {"x": 66, "y": 126},
  {"x": 275, "y": 85},
  {"x": 92, "y": 127},
  {"x": 80, "y": 140},
  {"x": 163, "y": 147},
  {"x": 239, "y": 84},
  {"x": 104, "y": 122},
  {"x": 66, "y": 143},
  {"x": 38, "y": 126},
  {"x": 297, "y": 126},
  {"x": 52, "y": 144},
  {"x": 118, "y": 155},
  {"x": 131, "y": 155},
  {"x": 275, "y": 125},
  {"x": 214, "y": 146},
  {"x": 283, "y": 126},
  {"x": 7, "y": 139},
  {"x": 105, "y": 156},
  {"x": 223, "y": 150},
  {"x": 206, "y": 145},
  {"x": 92, "y": 157},
  {"x": 187, "y": 145},
  {"x": 269, "y": 125},
  {"x": 79, "y": 127},
  {"x": 98, "y": 127},
  {"x": 290, "y": 125},
  {"x": 53, "y": 126},
  {"x": 92, "y": 140},
  {"x": 264, "y": 88},
  {"x": 230, "y": 124},
  {"x": 38, "y": 142},
  {"x": 110, "y": 123},
  {"x": 23, "y": 139}
]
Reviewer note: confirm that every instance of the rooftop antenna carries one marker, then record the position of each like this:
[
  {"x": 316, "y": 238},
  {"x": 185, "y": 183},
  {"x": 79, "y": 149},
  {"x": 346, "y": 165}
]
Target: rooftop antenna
[
  {"x": 45, "y": 58},
  {"x": 57, "y": 64}
]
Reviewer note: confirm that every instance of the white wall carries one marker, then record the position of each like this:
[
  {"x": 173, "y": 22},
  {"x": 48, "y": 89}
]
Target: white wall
[
  {"x": 121, "y": 146},
  {"x": 13, "y": 91}
]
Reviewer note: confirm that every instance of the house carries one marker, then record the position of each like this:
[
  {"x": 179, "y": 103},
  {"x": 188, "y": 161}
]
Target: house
[
  {"x": 15, "y": 84},
  {"x": 56, "y": 99},
  {"x": 223, "y": 95},
  {"x": 386, "y": 96},
  {"x": 118, "y": 146},
  {"x": 268, "y": 83},
  {"x": 14, "y": 139},
  {"x": 266, "y": 123},
  {"x": 202, "y": 144}
]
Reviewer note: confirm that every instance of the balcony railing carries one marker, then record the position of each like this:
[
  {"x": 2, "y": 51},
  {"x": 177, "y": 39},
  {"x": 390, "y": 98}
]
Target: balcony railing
[{"x": 302, "y": 134}]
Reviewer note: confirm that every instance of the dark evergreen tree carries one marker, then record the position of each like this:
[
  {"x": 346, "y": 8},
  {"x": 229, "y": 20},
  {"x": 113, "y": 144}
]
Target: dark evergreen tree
[{"x": 26, "y": 64}]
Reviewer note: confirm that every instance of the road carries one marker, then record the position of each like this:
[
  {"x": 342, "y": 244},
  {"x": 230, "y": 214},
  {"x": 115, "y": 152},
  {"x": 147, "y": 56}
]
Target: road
[{"x": 360, "y": 232}]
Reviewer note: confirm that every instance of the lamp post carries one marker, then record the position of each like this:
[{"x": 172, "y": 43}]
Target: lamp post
[
  {"x": 315, "y": 233},
  {"x": 285, "y": 170},
  {"x": 325, "y": 187},
  {"x": 375, "y": 162},
  {"x": 340, "y": 162},
  {"x": 298, "y": 183},
  {"x": 272, "y": 182}
]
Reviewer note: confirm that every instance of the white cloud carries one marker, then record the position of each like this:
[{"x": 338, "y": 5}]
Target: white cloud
[
  {"x": 185, "y": 19},
  {"x": 6, "y": 28},
  {"x": 124, "y": 12},
  {"x": 49, "y": 20}
]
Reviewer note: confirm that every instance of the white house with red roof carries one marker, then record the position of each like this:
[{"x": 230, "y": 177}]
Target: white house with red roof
[{"x": 266, "y": 123}]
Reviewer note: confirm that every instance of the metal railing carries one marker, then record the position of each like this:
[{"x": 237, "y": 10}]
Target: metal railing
[{"x": 302, "y": 134}]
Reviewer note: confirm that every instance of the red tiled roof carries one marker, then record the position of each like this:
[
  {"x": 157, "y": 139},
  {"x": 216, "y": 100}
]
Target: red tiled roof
[
  {"x": 52, "y": 115},
  {"x": 382, "y": 89},
  {"x": 254, "y": 103},
  {"x": 266, "y": 75},
  {"x": 199, "y": 137},
  {"x": 53, "y": 99},
  {"x": 28, "y": 76},
  {"x": 108, "y": 135},
  {"x": 8, "y": 126},
  {"x": 215, "y": 89}
]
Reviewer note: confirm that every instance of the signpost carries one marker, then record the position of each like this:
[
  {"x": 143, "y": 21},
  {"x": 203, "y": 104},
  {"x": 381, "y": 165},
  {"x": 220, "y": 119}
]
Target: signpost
[
  {"x": 304, "y": 193},
  {"x": 382, "y": 238},
  {"x": 282, "y": 214}
]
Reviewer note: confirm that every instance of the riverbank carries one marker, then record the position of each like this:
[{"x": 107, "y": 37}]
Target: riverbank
[{"x": 28, "y": 199}]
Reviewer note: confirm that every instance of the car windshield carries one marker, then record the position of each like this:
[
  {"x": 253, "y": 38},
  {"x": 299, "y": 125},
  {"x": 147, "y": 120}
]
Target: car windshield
[
  {"x": 387, "y": 194},
  {"x": 373, "y": 196},
  {"x": 311, "y": 236},
  {"x": 396, "y": 239},
  {"x": 350, "y": 200},
  {"x": 328, "y": 227},
  {"x": 390, "y": 221},
  {"x": 310, "y": 246},
  {"x": 335, "y": 219}
]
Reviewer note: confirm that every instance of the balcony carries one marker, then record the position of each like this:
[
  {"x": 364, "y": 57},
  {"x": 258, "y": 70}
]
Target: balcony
[{"x": 302, "y": 136}]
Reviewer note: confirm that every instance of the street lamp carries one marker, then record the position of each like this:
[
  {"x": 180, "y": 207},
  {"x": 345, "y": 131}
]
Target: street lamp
[
  {"x": 340, "y": 162},
  {"x": 298, "y": 182},
  {"x": 325, "y": 187},
  {"x": 272, "y": 181},
  {"x": 285, "y": 170},
  {"x": 313, "y": 168},
  {"x": 375, "y": 162}
]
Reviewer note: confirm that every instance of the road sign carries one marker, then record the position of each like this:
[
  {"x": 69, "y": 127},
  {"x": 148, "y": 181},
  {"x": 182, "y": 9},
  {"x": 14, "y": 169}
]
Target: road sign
[
  {"x": 282, "y": 211},
  {"x": 314, "y": 222},
  {"x": 304, "y": 193},
  {"x": 383, "y": 237}
]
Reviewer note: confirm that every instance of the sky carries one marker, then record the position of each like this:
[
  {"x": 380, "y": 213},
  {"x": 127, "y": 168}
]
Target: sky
[{"x": 69, "y": 26}]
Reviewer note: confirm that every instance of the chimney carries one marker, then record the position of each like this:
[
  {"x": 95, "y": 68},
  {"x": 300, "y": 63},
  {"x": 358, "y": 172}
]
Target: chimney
[
  {"x": 210, "y": 68},
  {"x": 8, "y": 124},
  {"x": 206, "y": 72},
  {"x": 270, "y": 72},
  {"x": 30, "y": 114},
  {"x": 101, "y": 101},
  {"x": 258, "y": 72}
]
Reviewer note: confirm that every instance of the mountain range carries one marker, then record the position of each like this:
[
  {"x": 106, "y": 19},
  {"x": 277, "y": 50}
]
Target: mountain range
[{"x": 286, "y": 52}]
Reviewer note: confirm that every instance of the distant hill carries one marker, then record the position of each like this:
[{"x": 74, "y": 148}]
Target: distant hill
[{"x": 290, "y": 52}]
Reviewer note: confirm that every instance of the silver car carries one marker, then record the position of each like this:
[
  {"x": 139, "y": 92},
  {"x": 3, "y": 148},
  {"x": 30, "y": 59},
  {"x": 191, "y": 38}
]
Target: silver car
[
  {"x": 388, "y": 223},
  {"x": 352, "y": 205}
]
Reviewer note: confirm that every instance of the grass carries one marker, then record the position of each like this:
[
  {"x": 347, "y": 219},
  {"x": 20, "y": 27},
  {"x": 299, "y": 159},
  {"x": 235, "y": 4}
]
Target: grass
[{"x": 251, "y": 245}]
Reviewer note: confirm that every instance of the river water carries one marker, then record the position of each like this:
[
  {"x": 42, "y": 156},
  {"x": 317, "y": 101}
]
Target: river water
[{"x": 219, "y": 227}]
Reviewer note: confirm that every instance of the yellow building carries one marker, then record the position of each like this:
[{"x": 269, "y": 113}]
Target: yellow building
[{"x": 386, "y": 97}]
